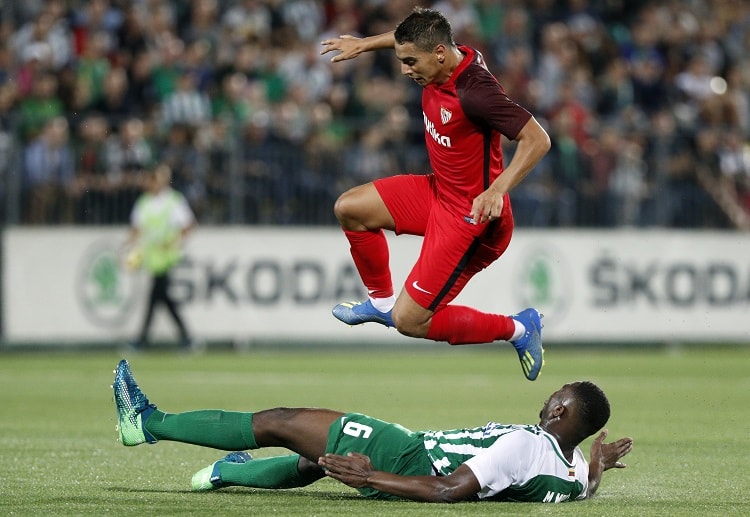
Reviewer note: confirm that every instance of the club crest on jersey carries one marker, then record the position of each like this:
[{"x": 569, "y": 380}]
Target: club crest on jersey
[{"x": 445, "y": 115}]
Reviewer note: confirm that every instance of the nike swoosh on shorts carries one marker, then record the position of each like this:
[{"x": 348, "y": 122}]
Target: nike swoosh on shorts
[{"x": 416, "y": 286}]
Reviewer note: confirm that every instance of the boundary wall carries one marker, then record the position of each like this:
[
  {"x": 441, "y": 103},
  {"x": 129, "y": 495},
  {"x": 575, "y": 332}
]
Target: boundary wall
[{"x": 64, "y": 285}]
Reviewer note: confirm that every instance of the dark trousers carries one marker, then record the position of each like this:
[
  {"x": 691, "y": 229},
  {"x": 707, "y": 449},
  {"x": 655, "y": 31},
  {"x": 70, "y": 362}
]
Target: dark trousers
[{"x": 160, "y": 294}]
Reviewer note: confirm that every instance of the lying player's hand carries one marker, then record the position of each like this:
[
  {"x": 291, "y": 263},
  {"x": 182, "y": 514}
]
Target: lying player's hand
[
  {"x": 348, "y": 47},
  {"x": 353, "y": 469},
  {"x": 609, "y": 454}
]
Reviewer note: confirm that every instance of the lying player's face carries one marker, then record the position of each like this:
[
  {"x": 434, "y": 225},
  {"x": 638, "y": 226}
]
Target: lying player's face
[
  {"x": 559, "y": 397},
  {"x": 419, "y": 65}
]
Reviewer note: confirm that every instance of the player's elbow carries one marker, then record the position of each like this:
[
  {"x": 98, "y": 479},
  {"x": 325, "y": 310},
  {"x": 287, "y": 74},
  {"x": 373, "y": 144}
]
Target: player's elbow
[
  {"x": 545, "y": 143},
  {"x": 446, "y": 492},
  {"x": 537, "y": 136},
  {"x": 542, "y": 141},
  {"x": 448, "y": 496}
]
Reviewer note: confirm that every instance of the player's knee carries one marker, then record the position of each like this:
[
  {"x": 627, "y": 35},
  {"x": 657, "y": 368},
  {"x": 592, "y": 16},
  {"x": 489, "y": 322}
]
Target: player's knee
[
  {"x": 345, "y": 209},
  {"x": 408, "y": 326}
]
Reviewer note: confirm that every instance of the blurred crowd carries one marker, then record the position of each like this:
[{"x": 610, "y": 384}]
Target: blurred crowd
[{"x": 647, "y": 103}]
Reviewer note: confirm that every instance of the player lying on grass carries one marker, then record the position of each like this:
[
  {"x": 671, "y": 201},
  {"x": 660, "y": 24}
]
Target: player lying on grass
[{"x": 529, "y": 463}]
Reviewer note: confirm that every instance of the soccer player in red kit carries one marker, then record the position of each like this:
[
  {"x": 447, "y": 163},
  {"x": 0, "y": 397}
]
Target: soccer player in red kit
[{"x": 462, "y": 208}]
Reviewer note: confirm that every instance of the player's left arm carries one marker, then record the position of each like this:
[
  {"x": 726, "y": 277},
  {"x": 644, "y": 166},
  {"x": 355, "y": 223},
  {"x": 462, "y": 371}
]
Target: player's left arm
[
  {"x": 605, "y": 456},
  {"x": 356, "y": 471},
  {"x": 533, "y": 144},
  {"x": 484, "y": 101}
]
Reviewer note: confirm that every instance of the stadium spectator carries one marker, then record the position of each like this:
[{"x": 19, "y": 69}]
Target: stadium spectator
[
  {"x": 114, "y": 104},
  {"x": 220, "y": 205},
  {"x": 555, "y": 59},
  {"x": 627, "y": 184},
  {"x": 734, "y": 164},
  {"x": 690, "y": 203},
  {"x": 462, "y": 16},
  {"x": 93, "y": 67},
  {"x": 42, "y": 105},
  {"x": 141, "y": 88},
  {"x": 462, "y": 209},
  {"x": 131, "y": 36},
  {"x": 48, "y": 174},
  {"x": 233, "y": 103},
  {"x": 181, "y": 153},
  {"x": 8, "y": 180},
  {"x": 626, "y": 61},
  {"x": 568, "y": 168},
  {"x": 95, "y": 19},
  {"x": 494, "y": 462},
  {"x": 736, "y": 107},
  {"x": 186, "y": 104},
  {"x": 47, "y": 38},
  {"x": 128, "y": 154},
  {"x": 203, "y": 25},
  {"x": 614, "y": 91},
  {"x": 518, "y": 81},
  {"x": 248, "y": 20},
  {"x": 93, "y": 187},
  {"x": 301, "y": 67},
  {"x": 601, "y": 157},
  {"x": 368, "y": 158},
  {"x": 646, "y": 62}
]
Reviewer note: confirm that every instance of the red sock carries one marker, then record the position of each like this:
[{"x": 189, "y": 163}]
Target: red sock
[
  {"x": 369, "y": 250},
  {"x": 460, "y": 325}
]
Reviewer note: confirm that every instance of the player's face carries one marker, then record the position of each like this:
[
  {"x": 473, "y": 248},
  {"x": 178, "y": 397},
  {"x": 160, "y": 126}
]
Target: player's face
[
  {"x": 560, "y": 397},
  {"x": 421, "y": 66}
]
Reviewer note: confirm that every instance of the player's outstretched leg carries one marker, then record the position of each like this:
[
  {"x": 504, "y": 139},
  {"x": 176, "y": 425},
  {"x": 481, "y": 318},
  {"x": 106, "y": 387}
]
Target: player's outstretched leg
[
  {"x": 209, "y": 478},
  {"x": 133, "y": 407},
  {"x": 529, "y": 346},
  {"x": 356, "y": 313}
]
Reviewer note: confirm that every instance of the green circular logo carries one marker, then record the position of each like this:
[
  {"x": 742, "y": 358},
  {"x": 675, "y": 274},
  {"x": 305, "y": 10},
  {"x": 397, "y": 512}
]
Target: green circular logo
[
  {"x": 544, "y": 282},
  {"x": 106, "y": 292}
]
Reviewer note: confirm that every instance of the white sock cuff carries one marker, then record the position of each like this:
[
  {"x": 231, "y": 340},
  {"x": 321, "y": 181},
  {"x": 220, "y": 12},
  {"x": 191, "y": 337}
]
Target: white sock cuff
[
  {"x": 384, "y": 304},
  {"x": 519, "y": 332}
]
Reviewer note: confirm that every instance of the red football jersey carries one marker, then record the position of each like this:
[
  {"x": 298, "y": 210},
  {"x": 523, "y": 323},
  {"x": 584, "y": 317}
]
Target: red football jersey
[{"x": 463, "y": 121}]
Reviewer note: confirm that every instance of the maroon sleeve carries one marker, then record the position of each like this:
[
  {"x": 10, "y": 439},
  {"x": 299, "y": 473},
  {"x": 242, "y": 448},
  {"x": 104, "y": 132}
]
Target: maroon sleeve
[{"x": 484, "y": 101}]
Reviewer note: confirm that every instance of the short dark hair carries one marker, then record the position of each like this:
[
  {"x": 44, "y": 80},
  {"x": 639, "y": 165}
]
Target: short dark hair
[
  {"x": 593, "y": 406},
  {"x": 426, "y": 28}
]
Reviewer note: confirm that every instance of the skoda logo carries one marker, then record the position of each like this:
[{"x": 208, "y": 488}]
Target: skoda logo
[
  {"x": 105, "y": 291},
  {"x": 544, "y": 281}
]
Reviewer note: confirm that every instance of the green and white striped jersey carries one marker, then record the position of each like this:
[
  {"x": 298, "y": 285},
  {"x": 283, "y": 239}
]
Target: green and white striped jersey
[{"x": 511, "y": 462}]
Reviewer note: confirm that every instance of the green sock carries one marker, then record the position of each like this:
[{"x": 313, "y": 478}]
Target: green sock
[
  {"x": 225, "y": 430},
  {"x": 276, "y": 472}
]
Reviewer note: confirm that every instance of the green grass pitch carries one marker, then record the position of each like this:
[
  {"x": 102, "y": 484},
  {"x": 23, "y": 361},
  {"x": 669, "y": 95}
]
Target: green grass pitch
[{"x": 687, "y": 410}]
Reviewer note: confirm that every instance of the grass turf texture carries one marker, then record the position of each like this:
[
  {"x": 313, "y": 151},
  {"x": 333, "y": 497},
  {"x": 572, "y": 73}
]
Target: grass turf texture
[{"x": 687, "y": 411}]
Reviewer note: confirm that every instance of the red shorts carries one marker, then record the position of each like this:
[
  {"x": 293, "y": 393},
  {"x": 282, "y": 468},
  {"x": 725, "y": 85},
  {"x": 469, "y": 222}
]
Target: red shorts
[{"x": 454, "y": 249}]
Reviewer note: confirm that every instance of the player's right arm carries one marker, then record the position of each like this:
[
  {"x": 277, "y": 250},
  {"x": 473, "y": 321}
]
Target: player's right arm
[
  {"x": 356, "y": 471},
  {"x": 350, "y": 47}
]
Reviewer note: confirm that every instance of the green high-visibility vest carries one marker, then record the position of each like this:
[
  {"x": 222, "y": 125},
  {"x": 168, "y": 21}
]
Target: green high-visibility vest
[{"x": 160, "y": 238}]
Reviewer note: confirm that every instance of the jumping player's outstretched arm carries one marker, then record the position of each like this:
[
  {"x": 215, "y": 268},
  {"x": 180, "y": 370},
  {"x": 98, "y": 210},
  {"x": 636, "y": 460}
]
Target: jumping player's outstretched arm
[
  {"x": 356, "y": 471},
  {"x": 350, "y": 47}
]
